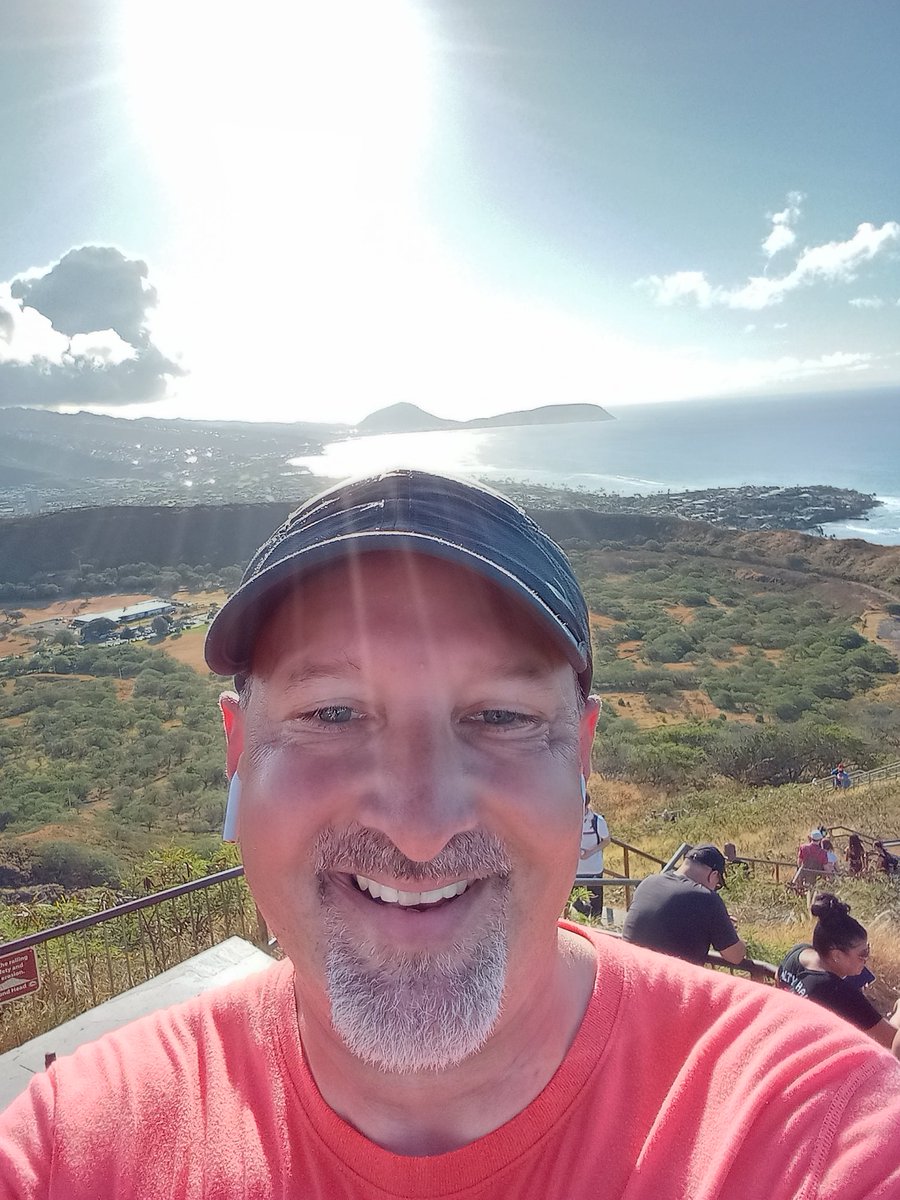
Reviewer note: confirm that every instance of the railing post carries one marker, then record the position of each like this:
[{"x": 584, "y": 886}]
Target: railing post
[
  {"x": 627, "y": 874},
  {"x": 262, "y": 930}
]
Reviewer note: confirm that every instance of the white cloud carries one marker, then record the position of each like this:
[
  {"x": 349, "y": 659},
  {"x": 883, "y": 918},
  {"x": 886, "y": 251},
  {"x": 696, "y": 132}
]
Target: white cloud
[
  {"x": 782, "y": 234},
  {"x": 27, "y": 334},
  {"x": 749, "y": 329},
  {"x": 100, "y": 348},
  {"x": 840, "y": 260},
  {"x": 77, "y": 332},
  {"x": 832, "y": 262},
  {"x": 866, "y": 302},
  {"x": 682, "y": 285},
  {"x": 788, "y": 368}
]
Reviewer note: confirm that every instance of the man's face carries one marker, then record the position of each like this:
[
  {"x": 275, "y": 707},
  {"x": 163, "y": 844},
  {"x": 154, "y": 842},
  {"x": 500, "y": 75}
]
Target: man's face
[{"x": 410, "y": 817}]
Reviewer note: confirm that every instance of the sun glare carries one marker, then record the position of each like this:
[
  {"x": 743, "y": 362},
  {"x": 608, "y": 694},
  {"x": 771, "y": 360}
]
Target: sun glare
[
  {"x": 288, "y": 139},
  {"x": 305, "y": 276},
  {"x": 207, "y": 79}
]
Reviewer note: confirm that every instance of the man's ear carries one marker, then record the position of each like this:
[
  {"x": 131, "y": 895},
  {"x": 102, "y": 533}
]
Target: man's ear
[
  {"x": 588, "y": 725},
  {"x": 233, "y": 718}
]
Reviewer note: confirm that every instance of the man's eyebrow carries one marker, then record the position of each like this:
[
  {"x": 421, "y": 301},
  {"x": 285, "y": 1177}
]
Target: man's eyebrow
[
  {"x": 326, "y": 669},
  {"x": 534, "y": 667}
]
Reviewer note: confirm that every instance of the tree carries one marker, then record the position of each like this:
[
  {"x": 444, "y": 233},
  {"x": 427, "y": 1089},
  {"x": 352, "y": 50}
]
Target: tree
[
  {"x": 75, "y": 866},
  {"x": 160, "y": 626}
]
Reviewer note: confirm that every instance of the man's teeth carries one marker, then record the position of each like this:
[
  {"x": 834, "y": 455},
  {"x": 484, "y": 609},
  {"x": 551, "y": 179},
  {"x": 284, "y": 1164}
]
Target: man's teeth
[{"x": 389, "y": 895}]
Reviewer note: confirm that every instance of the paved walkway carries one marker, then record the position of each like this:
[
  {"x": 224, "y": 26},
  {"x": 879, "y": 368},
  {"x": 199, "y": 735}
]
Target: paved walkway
[{"x": 230, "y": 960}]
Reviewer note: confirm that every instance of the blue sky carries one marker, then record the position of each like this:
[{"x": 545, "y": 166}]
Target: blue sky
[{"x": 309, "y": 211}]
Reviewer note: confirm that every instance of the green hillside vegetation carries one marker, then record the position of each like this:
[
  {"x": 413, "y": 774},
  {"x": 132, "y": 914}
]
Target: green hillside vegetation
[
  {"x": 120, "y": 749},
  {"x": 86, "y": 579},
  {"x": 720, "y": 680},
  {"x": 779, "y": 664}
]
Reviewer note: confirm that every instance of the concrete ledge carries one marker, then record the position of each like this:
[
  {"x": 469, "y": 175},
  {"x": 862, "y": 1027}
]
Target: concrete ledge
[{"x": 230, "y": 960}]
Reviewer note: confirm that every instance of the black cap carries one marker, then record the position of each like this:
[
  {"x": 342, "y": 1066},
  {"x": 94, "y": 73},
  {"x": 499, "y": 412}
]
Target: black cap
[
  {"x": 710, "y": 856},
  {"x": 404, "y": 509}
]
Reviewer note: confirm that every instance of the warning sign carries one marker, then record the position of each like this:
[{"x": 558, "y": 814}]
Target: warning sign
[{"x": 18, "y": 974}]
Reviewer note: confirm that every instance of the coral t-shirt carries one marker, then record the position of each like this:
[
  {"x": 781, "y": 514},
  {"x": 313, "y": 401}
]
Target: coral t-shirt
[
  {"x": 680, "y": 1083},
  {"x": 811, "y": 856}
]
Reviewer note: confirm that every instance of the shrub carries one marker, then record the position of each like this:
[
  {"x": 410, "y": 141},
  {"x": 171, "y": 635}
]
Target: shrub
[{"x": 75, "y": 866}]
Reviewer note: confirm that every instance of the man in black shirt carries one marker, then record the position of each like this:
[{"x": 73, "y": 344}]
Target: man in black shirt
[{"x": 680, "y": 912}]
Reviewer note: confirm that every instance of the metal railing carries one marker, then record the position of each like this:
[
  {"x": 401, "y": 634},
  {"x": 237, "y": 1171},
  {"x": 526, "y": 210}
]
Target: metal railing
[
  {"x": 756, "y": 969},
  {"x": 776, "y": 867},
  {"x": 93, "y": 958},
  {"x": 844, "y": 831},
  {"x": 626, "y": 879}
]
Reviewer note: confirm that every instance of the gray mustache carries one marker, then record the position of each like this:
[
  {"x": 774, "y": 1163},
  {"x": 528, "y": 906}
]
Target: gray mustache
[{"x": 362, "y": 851}]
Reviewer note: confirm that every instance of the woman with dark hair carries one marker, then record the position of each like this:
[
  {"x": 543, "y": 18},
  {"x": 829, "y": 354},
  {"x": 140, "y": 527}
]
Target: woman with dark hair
[
  {"x": 855, "y": 855},
  {"x": 840, "y": 948}
]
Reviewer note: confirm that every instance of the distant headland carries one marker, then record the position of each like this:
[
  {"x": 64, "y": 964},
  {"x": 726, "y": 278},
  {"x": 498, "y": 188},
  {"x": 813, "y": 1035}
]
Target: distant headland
[{"x": 409, "y": 418}]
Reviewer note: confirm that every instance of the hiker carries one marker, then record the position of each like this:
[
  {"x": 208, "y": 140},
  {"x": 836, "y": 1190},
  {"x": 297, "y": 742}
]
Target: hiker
[
  {"x": 855, "y": 854},
  {"x": 831, "y": 858},
  {"x": 594, "y": 840},
  {"x": 887, "y": 862},
  {"x": 680, "y": 912},
  {"x": 820, "y": 971},
  {"x": 811, "y": 860},
  {"x": 407, "y": 743}
]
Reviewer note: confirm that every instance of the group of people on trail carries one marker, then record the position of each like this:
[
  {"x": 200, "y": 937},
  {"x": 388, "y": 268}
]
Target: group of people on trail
[
  {"x": 817, "y": 857},
  {"x": 840, "y": 776},
  {"x": 859, "y": 859},
  {"x": 680, "y": 913}
]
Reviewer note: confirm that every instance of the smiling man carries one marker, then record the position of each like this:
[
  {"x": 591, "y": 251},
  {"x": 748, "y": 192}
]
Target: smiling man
[{"x": 407, "y": 746}]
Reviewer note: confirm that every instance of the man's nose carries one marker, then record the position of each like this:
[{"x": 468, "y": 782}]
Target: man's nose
[{"x": 422, "y": 791}]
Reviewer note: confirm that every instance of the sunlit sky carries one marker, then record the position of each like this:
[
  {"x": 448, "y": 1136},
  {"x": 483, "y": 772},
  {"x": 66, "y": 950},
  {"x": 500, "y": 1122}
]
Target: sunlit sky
[{"x": 295, "y": 211}]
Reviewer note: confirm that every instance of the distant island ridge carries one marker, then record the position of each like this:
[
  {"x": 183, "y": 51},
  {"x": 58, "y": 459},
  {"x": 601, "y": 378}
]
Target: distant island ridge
[{"x": 409, "y": 418}]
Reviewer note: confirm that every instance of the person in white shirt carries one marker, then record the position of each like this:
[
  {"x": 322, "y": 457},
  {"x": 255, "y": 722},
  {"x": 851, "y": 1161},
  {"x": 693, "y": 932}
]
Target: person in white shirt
[
  {"x": 831, "y": 858},
  {"x": 594, "y": 840}
]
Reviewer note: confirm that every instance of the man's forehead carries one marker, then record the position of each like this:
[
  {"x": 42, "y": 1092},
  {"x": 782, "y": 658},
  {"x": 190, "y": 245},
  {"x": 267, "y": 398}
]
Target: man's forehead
[
  {"x": 406, "y": 581},
  {"x": 402, "y": 593}
]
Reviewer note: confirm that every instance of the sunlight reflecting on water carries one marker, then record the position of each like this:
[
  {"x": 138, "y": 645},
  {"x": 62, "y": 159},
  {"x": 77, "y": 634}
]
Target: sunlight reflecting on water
[{"x": 456, "y": 451}]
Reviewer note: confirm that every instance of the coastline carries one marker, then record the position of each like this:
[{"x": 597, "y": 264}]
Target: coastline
[{"x": 848, "y": 440}]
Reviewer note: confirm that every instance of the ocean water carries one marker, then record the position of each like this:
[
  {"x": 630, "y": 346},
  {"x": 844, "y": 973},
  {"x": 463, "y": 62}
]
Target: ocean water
[{"x": 846, "y": 439}]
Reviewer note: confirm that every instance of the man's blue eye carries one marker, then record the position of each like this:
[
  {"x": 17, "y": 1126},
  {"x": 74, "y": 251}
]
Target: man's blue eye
[
  {"x": 499, "y": 716},
  {"x": 335, "y": 714}
]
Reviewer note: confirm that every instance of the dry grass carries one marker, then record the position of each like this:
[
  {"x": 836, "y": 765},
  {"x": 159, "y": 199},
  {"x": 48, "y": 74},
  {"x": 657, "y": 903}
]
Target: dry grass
[
  {"x": 187, "y": 649},
  {"x": 681, "y": 613}
]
